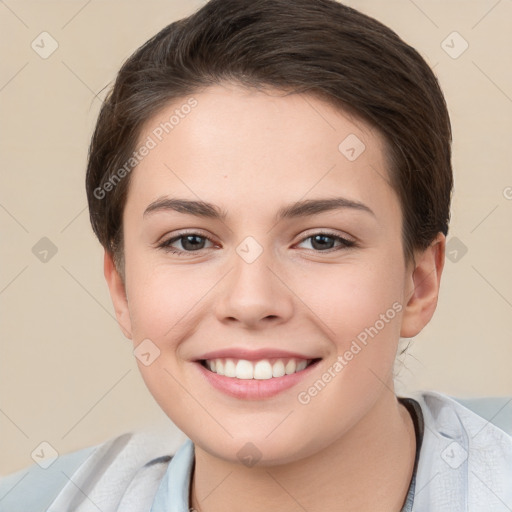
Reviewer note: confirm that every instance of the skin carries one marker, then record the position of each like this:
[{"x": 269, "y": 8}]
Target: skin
[{"x": 250, "y": 153}]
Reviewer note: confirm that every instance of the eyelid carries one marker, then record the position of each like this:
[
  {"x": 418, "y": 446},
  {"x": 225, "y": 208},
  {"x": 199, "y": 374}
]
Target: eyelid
[
  {"x": 346, "y": 242},
  {"x": 343, "y": 243},
  {"x": 166, "y": 241},
  {"x": 327, "y": 232},
  {"x": 183, "y": 232}
]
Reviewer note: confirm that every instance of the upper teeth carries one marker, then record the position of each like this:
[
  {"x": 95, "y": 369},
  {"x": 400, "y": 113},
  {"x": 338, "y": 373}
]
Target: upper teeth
[{"x": 262, "y": 369}]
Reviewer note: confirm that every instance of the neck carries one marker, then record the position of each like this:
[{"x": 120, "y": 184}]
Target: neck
[{"x": 369, "y": 468}]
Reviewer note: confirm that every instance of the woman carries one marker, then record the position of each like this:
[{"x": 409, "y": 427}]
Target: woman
[{"x": 271, "y": 182}]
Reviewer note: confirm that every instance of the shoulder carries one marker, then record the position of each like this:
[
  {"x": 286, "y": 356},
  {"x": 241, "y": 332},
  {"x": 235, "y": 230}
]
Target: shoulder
[
  {"x": 465, "y": 457},
  {"x": 491, "y": 411},
  {"x": 33, "y": 488},
  {"x": 130, "y": 464}
]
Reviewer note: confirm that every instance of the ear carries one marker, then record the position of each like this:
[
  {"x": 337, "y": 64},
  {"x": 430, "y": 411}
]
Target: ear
[
  {"x": 422, "y": 287},
  {"x": 117, "y": 294}
]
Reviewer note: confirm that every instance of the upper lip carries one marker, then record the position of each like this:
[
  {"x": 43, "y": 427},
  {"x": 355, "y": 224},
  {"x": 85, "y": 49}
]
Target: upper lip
[{"x": 253, "y": 355}]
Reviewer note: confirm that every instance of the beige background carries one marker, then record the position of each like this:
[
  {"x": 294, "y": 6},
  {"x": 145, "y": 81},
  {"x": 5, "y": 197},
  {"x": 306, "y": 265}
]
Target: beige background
[{"x": 68, "y": 376}]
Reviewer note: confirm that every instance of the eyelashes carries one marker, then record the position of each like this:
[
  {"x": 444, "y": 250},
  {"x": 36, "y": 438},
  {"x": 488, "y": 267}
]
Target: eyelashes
[
  {"x": 344, "y": 242},
  {"x": 193, "y": 240}
]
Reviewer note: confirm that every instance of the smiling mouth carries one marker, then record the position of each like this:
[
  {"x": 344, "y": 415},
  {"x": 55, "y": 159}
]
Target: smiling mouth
[{"x": 261, "y": 369}]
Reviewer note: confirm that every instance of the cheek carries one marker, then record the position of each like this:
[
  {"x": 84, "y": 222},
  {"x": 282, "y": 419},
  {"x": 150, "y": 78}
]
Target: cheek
[
  {"x": 342, "y": 304},
  {"x": 360, "y": 307},
  {"x": 344, "y": 301},
  {"x": 352, "y": 297},
  {"x": 161, "y": 297},
  {"x": 164, "y": 304}
]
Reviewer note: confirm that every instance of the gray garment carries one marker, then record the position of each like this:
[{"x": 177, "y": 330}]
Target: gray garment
[{"x": 464, "y": 465}]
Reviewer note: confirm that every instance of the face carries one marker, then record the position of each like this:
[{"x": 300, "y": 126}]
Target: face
[{"x": 261, "y": 236}]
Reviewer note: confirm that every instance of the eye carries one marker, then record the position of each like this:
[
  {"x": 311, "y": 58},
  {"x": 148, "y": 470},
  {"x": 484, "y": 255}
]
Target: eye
[
  {"x": 190, "y": 242},
  {"x": 185, "y": 243},
  {"x": 325, "y": 242}
]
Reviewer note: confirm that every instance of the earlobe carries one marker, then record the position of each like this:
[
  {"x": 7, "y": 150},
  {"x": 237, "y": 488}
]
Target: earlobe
[
  {"x": 423, "y": 288},
  {"x": 117, "y": 294}
]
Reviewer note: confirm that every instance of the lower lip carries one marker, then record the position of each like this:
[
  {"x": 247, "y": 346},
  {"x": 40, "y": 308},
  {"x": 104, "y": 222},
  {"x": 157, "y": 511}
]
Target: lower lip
[{"x": 254, "y": 389}]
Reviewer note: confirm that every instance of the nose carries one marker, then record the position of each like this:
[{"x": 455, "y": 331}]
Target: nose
[{"x": 254, "y": 295}]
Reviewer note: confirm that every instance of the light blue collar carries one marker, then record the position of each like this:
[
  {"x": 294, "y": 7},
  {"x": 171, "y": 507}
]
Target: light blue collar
[
  {"x": 172, "y": 494},
  {"x": 465, "y": 463}
]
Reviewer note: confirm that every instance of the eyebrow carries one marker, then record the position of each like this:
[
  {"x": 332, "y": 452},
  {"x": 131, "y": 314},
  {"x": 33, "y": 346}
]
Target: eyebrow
[{"x": 302, "y": 208}]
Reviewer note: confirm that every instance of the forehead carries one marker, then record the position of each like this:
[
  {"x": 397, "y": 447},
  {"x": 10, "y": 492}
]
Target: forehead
[{"x": 247, "y": 146}]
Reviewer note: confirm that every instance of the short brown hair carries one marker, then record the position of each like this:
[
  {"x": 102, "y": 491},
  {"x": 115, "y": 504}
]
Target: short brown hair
[{"x": 320, "y": 47}]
